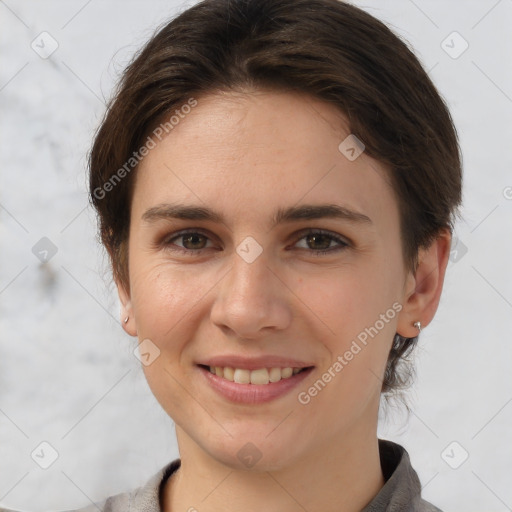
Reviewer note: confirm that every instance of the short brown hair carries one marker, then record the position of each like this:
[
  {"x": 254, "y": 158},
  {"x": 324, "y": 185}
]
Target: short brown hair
[{"x": 328, "y": 49}]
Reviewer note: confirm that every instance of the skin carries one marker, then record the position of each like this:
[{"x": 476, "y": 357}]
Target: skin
[{"x": 245, "y": 155}]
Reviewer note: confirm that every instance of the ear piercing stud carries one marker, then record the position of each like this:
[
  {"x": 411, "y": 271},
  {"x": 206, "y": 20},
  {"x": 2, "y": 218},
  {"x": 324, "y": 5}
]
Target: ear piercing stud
[
  {"x": 126, "y": 319},
  {"x": 418, "y": 326}
]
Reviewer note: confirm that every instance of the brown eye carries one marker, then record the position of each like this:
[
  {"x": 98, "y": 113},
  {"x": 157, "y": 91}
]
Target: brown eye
[
  {"x": 192, "y": 242},
  {"x": 320, "y": 242},
  {"x": 316, "y": 241}
]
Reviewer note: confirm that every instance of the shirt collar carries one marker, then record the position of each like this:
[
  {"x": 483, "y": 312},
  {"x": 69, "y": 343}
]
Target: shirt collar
[{"x": 401, "y": 491}]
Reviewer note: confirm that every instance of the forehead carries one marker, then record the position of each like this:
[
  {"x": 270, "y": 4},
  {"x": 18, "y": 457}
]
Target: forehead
[{"x": 247, "y": 151}]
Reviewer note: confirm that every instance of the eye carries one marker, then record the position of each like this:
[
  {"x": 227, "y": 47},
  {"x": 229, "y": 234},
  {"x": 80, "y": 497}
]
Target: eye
[
  {"x": 319, "y": 241},
  {"x": 193, "y": 241}
]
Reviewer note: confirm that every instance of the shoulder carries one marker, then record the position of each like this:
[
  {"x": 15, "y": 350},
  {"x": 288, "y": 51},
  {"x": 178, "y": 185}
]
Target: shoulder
[
  {"x": 145, "y": 498},
  {"x": 425, "y": 506}
]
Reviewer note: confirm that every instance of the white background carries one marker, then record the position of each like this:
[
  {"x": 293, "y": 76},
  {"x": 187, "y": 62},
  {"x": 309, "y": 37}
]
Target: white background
[{"x": 67, "y": 372}]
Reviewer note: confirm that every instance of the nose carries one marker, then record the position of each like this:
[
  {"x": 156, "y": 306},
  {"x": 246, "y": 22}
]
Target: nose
[{"x": 252, "y": 300}]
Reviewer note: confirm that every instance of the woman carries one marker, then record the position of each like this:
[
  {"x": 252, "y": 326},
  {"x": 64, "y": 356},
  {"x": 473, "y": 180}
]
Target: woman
[{"x": 276, "y": 185}]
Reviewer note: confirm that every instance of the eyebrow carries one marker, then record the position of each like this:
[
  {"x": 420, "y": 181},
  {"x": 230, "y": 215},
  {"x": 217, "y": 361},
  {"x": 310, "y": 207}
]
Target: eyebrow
[{"x": 282, "y": 215}]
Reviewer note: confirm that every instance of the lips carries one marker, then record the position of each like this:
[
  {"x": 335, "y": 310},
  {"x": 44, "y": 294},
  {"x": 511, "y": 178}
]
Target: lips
[
  {"x": 253, "y": 379},
  {"x": 252, "y": 393}
]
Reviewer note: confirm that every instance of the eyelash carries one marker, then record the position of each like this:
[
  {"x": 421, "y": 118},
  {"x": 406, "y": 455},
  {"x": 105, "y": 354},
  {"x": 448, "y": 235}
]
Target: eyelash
[{"x": 317, "y": 252}]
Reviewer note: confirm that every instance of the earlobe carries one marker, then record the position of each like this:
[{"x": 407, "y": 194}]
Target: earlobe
[
  {"x": 423, "y": 288},
  {"x": 127, "y": 317}
]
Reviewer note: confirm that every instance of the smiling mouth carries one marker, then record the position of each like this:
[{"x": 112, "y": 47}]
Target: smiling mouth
[{"x": 261, "y": 376}]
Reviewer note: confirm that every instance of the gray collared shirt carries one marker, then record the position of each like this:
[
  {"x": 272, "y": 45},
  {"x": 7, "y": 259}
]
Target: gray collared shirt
[{"x": 400, "y": 493}]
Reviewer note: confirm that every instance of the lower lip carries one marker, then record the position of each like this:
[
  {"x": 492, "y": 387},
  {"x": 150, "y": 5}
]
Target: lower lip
[{"x": 253, "y": 393}]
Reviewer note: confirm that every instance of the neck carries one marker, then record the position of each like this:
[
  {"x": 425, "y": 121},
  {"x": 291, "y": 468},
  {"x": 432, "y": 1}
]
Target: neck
[{"x": 342, "y": 477}]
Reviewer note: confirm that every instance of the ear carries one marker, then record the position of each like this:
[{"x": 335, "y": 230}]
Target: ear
[
  {"x": 130, "y": 326},
  {"x": 422, "y": 289}
]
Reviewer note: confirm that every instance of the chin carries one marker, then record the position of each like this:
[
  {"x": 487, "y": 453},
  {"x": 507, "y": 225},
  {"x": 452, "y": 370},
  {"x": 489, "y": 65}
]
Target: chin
[{"x": 254, "y": 453}]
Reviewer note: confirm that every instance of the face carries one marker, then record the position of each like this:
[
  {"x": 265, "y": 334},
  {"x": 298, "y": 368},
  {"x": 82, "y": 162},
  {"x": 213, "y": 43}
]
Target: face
[{"x": 264, "y": 275}]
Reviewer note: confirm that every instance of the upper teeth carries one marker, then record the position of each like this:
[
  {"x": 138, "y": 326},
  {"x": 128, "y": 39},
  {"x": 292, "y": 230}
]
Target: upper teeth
[{"x": 260, "y": 376}]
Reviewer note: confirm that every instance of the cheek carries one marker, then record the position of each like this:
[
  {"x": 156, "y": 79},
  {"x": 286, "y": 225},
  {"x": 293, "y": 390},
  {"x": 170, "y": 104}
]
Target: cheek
[
  {"x": 351, "y": 297},
  {"x": 358, "y": 342},
  {"x": 164, "y": 304},
  {"x": 162, "y": 297},
  {"x": 358, "y": 306}
]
